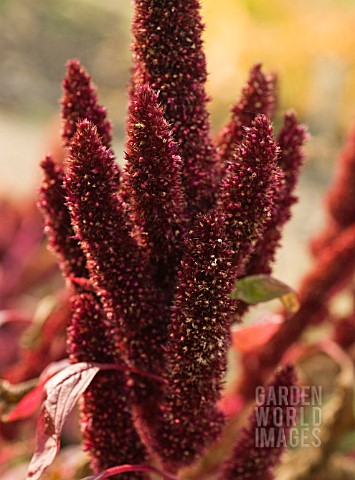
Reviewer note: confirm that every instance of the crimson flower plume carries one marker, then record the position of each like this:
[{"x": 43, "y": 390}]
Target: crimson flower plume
[
  {"x": 62, "y": 240},
  {"x": 247, "y": 192},
  {"x": 152, "y": 257},
  {"x": 199, "y": 332},
  {"x": 104, "y": 407},
  {"x": 340, "y": 198},
  {"x": 258, "y": 97},
  {"x": 153, "y": 184},
  {"x": 290, "y": 140},
  {"x": 117, "y": 264},
  {"x": 108, "y": 430},
  {"x": 79, "y": 102},
  {"x": 171, "y": 32}
]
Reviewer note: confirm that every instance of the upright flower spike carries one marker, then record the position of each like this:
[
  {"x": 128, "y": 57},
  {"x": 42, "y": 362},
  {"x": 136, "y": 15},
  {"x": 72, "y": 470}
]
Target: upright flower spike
[
  {"x": 104, "y": 413},
  {"x": 199, "y": 332},
  {"x": 58, "y": 227},
  {"x": 258, "y": 97},
  {"x": 79, "y": 102},
  {"x": 290, "y": 140},
  {"x": 196, "y": 350},
  {"x": 168, "y": 55},
  {"x": 251, "y": 459},
  {"x": 247, "y": 193},
  {"x": 153, "y": 183},
  {"x": 118, "y": 267},
  {"x": 108, "y": 430}
]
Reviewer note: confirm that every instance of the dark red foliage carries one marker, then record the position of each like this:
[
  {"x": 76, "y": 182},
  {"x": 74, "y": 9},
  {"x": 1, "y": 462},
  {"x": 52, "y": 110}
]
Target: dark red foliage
[
  {"x": 48, "y": 346},
  {"x": 19, "y": 246}
]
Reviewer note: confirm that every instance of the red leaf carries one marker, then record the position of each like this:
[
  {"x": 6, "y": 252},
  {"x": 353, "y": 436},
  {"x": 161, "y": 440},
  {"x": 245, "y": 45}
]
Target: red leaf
[
  {"x": 27, "y": 405},
  {"x": 63, "y": 391},
  {"x": 32, "y": 400},
  {"x": 245, "y": 339}
]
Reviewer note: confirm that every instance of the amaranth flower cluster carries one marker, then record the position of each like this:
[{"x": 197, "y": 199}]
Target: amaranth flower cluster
[{"x": 151, "y": 254}]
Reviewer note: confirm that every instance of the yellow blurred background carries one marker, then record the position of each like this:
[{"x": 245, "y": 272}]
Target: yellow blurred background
[{"x": 310, "y": 44}]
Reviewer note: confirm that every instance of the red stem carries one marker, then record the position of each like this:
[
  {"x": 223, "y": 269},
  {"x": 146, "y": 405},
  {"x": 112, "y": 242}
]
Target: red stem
[{"x": 131, "y": 468}]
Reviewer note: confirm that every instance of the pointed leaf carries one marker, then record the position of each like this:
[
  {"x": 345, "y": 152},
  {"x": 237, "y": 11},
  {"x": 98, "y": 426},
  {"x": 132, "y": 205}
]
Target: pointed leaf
[
  {"x": 27, "y": 405},
  {"x": 47, "y": 446},
  {"x": 31, "y": 400},
  {"x": 262, "y": 288},
  {"x": 63, "y": 391},
  {"x": 247, "y": 338}
]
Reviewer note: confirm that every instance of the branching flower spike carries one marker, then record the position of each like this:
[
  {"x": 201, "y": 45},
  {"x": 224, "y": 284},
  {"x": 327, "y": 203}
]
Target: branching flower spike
[
  {"x": 199, "y": 334},
  {"x": 104, "y": 405},
  {"x": 152, "y": 255},
  {"x": 117, "y": 264}
]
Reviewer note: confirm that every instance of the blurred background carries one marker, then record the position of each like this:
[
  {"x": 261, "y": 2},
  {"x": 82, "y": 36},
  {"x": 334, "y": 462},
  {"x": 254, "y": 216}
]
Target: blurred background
[{"x": 310, "y": 45}]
